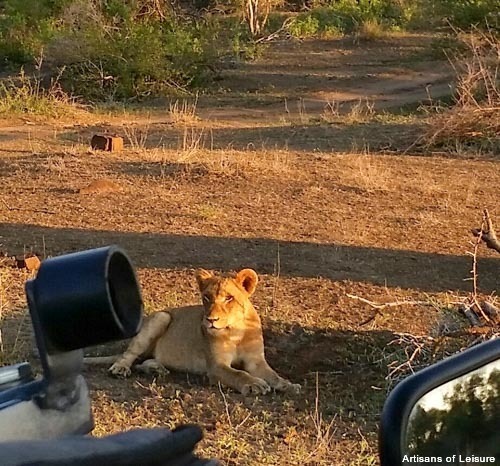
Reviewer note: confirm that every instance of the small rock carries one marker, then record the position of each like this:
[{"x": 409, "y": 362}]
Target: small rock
[
  {"x": 107, "y": 143},
  {"x": 28, "y": 262}
]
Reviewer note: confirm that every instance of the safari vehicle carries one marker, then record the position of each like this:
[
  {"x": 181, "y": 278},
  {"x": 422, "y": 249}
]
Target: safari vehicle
[{"x": 448, "y": 413}]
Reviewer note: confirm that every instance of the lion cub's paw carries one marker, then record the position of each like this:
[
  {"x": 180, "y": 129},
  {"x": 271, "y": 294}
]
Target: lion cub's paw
[
  {"x": 151, "y": 366},
  {"x": 287, "y": 386},
  {"x": 120, "y": 370},
  {"x": 294, "y": 388},
  {"x": 257, "y": 387}
]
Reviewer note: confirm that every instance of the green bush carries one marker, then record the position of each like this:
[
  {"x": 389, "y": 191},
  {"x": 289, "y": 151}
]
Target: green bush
[
  {"x": 121, "y": 49},
  {"x": 110, "y": 49},
  {"x": 462, "y": 14},
  {"x": 332, "y": 17},
  {"x": 25, "y": 26},
  {"x": 346, "y": 16},
  {"x": 139, "y": 60},
  {"x": 306, "y": 25}
]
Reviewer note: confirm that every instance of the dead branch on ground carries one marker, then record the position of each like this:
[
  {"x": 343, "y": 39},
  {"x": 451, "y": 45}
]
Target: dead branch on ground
[
  {"x": 413, "y": 353},
  {"x": 278, "y": 33},
  {"x": 36, "y": 211},
  {"x": 380, "y": 306}
]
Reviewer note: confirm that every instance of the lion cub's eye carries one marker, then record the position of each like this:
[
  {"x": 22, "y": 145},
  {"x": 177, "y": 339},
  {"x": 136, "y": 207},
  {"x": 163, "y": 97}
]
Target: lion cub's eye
[{"x": 229, "y": 299}]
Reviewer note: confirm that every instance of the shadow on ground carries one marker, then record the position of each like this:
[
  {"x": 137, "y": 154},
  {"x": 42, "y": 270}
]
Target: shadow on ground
[
  {"x": 384, "y": 267},
  {"x": 334, "y": 360},
  {"x": 314, "y": 136},
  {"x": 298, "y": 353}
]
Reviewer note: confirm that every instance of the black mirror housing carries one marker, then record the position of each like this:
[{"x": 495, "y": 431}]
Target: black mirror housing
[{"x": 402, "y": 399}]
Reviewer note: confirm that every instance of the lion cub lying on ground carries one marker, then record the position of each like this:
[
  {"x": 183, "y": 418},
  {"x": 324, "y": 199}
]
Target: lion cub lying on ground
[{"x": 223, "y": 338}]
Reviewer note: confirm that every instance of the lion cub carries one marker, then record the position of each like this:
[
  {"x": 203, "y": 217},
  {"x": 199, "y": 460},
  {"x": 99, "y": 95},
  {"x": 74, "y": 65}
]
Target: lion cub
[{"x": 223, "y": 338}]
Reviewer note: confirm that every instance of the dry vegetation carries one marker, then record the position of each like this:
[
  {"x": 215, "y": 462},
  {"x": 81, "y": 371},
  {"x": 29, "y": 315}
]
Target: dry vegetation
[
  {"x": 26, "y": 95},
  {"x": 325, "y": 205},
  {"x": 474, "y": 119}
]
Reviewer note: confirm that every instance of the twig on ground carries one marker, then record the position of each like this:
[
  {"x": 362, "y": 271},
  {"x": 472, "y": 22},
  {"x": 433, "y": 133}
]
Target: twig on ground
[
  {"x": 407, "y": 363},
  {"x": 417, "y": 351},
  {"x": 277, "y": 271},
  {"x": 380, "y": 306},
  {"x": 246, "y": 418},
  {"x": 226, "y": 406},
  {"x": 276, "y": 34},
  {"x": 324, "y": 431},
  {"x": 36, "y": 211}
]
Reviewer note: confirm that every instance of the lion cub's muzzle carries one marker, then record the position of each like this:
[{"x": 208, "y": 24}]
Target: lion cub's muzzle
[{"x": 213, "y": 323}]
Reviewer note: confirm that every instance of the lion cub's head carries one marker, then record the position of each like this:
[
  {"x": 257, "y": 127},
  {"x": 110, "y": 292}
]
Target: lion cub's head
[{"x": 225, "y": 298}]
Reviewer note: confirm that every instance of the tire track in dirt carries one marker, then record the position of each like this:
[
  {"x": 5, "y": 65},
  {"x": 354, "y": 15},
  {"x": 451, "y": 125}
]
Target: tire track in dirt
[{"x": 309, "y": 76}]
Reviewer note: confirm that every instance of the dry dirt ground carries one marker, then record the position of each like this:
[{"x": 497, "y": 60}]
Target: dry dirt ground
[{"x": 283, "y": 170}]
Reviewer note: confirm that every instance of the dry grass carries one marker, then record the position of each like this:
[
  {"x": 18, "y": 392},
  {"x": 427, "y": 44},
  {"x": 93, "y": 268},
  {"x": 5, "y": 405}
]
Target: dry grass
[
  {"x": 370, "y": 30},
  {"x": 25, "y": 95},
  {"x": 136, "y": 136},
  {"x": 370, "y": 173},
  {"x": 474, "y": 120},
  {"x": 325, "y": 431},
  {"x": 374, "y": 176},
  {"x": 362, "y": 110},
  {"x": 190, "y": 143},
  {"x": 56, "y": 164},
  {"x": 359, "y": 111},
  {"x": 15, "y": 325},
  {"x": 183, "y": 113}
]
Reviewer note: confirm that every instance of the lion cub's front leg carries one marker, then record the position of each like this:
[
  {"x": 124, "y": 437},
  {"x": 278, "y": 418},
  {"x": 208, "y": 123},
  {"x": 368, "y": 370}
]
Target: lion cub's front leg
[
  {"x": 258, "y": 367},
  {"x": 242, "y": 381},
  {"x": 220, "y": 370},
  {"x": 154, "y": 327}
]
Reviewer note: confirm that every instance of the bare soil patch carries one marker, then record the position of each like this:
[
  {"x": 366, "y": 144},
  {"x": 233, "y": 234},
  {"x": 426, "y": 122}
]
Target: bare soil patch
[{"x": 311, "y": 73}]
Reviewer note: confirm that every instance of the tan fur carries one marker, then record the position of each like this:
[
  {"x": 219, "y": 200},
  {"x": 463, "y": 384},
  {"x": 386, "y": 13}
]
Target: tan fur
[
  {"x": 102, "y": 185},
  {"x": 223, "y": 338}
]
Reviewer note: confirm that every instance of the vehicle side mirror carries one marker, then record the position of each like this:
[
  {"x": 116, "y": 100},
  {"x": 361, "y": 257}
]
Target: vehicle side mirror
[{"x": 448, "y": 413}]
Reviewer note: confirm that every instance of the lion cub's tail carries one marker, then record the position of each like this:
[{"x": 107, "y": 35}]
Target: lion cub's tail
[{"x": 94, "y": 360}]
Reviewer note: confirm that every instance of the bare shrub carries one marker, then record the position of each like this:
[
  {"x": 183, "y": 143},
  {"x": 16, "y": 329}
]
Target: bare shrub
[
  {"x": 184, "y": 112},
  {"x": 26, "y": 95},
  {"x": 370, "y": 30},
  {"x": 474, "y": 120}
]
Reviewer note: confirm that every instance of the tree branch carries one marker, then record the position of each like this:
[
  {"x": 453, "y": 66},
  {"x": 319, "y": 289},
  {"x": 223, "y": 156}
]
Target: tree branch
[{"x": 488, "y": 234}]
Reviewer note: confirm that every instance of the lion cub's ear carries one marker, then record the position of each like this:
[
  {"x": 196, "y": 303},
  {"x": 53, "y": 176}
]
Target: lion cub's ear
[
  {"x": 248, "y": 279},
  {"x": 202, "y": 276}
]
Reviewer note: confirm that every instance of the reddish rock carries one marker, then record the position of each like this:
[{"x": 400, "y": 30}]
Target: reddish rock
[
  {"x": 107, "y": 143},
  {"x": 31, "y": 263}
]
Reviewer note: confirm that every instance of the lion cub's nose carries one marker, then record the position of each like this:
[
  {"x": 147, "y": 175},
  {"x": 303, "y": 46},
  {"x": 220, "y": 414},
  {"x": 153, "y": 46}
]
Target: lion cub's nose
[{"x": 212, "y": 319}]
